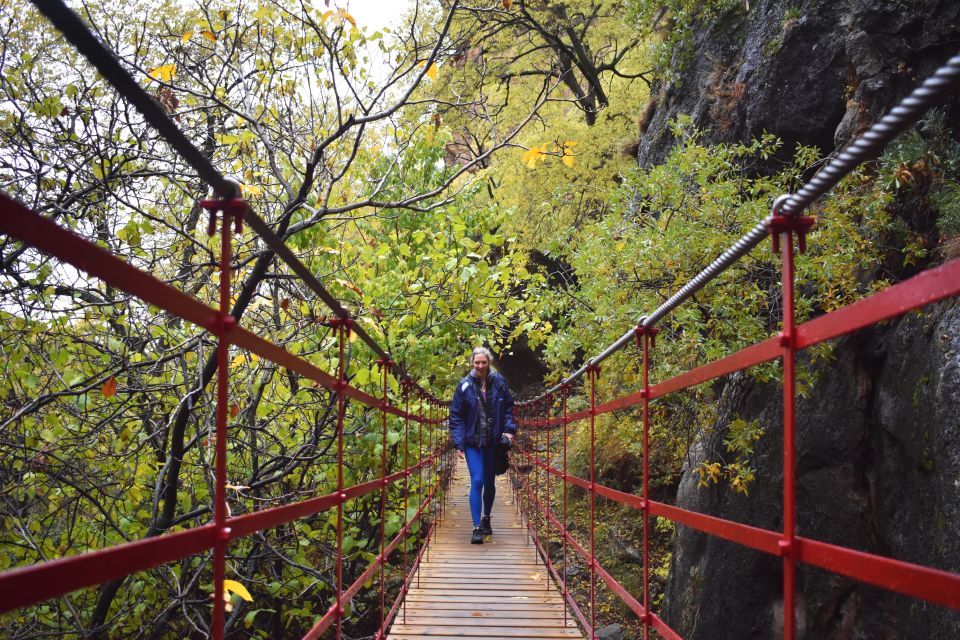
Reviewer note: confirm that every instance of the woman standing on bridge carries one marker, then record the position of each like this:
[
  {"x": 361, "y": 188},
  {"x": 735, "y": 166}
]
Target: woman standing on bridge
[{"x": 481, "y": 413}]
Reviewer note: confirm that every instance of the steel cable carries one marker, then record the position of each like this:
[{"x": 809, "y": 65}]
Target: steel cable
[
  {"x": 106, "y": 62},
  {"x": 935, "y": 89}
]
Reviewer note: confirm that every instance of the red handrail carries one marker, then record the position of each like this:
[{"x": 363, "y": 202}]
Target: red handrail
[
  {"x": 32, "y": 584},
  {"x": 925, "y": 583}
]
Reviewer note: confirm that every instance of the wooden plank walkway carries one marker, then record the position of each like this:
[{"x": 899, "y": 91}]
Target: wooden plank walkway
[{"x": 495, "y": 590}]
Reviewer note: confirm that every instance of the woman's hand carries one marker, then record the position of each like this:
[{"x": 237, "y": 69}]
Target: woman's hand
[{"x": 460, "y": 454}]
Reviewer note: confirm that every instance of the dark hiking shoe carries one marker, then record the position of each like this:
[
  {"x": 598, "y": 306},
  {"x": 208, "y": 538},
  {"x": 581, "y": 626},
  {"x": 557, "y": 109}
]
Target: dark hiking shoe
[
  {"x": 485, "y": 525},
  {"x": 477, "y": 537}
]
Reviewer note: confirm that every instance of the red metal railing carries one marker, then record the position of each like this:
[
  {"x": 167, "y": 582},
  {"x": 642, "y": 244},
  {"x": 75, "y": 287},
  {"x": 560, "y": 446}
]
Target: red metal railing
[
  {"x": 29, "y": 585},
  {"x": 930, "y": 584},
  {"x": 921, "y": 582}
]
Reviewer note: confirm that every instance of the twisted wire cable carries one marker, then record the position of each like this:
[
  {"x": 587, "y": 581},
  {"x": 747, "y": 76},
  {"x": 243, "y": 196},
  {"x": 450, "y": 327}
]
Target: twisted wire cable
[
  {"x": 106, "y": 62},
  {"x": 868, "y": 146}
]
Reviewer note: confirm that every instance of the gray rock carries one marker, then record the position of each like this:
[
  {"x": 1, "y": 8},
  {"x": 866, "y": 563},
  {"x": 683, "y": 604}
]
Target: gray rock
[
  {"x": 817, "y": 79},
  {"x": 574, "y": 570},
  {"x": 555, "y": 549},
  {"x": 878, "y": 470},
  {"x": 620, "y": 550},
  {"x": 610, "y": 632}
]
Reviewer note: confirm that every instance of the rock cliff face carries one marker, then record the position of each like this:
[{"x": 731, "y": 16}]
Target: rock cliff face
[
  {"x": 878, "y": 467},
  {"x": 815, "y": 71},
  {"x": 879, "y": 433}
]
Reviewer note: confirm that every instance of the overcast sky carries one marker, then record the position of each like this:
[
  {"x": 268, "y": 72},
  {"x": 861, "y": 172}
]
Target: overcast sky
[{"x": 374, "y": 14}]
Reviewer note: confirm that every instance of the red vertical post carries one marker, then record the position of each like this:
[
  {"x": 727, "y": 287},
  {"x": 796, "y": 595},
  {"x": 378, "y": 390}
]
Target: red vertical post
[
  {"x": 342, "y": 328},
  {"x": 441, "y": 450},
  {"x": 789, "y": 399},
  {"x": 447, "y": 454},
  {"x": 421, "y": 494},
  {"x": 645, "y": 337},
  {"x": 406, "y": 491},
  {"x": 564, "y": 390},
  {"x": 384, "y": 370},
  {"x": 223, "y": 323},
  {"x": 432, "y": 406},
  {"x": 521, "y": 489},
  {"x": 593, "y": 371},
  {"x": 535, "y": 511},
  {"x": 783, "y": 228},
  {"x": 531, "y": 511},
  {"x": 523, "y": 430},
  {"x": 548, "y": 401}
]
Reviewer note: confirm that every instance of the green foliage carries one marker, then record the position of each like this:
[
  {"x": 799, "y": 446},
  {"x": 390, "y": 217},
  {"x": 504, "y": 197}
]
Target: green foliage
[
  {"x": 922, "y": 166},
  {"x": 666, "y": 224},
  {"x": 108, "y": 424},
  {"x": 669, "y": 26}
]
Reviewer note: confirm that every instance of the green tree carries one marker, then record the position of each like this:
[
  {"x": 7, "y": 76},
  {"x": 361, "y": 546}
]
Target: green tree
[{"x": 107, "y": 422}]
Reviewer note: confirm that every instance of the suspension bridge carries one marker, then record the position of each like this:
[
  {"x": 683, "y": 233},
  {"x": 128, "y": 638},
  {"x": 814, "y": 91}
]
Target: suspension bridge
[{"x": 512, "y": 586}]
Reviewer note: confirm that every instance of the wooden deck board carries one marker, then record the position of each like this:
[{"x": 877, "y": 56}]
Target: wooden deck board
[{"x": 498, "y": 589}]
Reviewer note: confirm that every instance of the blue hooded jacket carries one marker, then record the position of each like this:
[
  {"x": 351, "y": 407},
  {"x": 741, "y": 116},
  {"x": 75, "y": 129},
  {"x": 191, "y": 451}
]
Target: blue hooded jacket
[{"x": 465, "y": 408}]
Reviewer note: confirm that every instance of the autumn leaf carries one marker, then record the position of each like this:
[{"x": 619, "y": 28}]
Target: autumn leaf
[
  {"x": 507, "y": 4},
  {"x": 234, "y": 410},
  {"x": 431, "y": 70},
  {"x": 186, "y": 37},
  {"x": 533, "y": 155},
  {"x": 285, "y": 304},
  {"x": 163, "y": 73},
  {"x": 209, "y": 35},
  {"x": 339, "y": 14},
  {"x": 251, "y": 190},
  {"x": 109, "y": 388},
  {"x": 350, "y": 285},
  {"x": 232, "y": 586},
  {"x": 568, "y": 158}
]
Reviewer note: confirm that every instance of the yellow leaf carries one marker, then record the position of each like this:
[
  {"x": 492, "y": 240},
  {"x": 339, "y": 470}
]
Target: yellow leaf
[
  {"x": 252, "y": 190},
  {"x": 350, "y": 285},
  {"x": 567, "y": 157},
  {"x": 233, "y": 586},
  {"x": 431, "y": 71},
  {"x": 339, "y": 14},
  {"x": 186, "y": 37},
  {"x": 209, "y": 35},
  {"x": 530, "y": 158},
  {"x": 533, "y": 155},
  {"x": 163, "y": 73}
]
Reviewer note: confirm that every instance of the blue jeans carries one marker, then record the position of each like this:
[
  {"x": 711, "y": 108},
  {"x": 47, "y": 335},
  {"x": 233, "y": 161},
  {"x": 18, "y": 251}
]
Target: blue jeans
[{"x": 482, "y": 487}]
